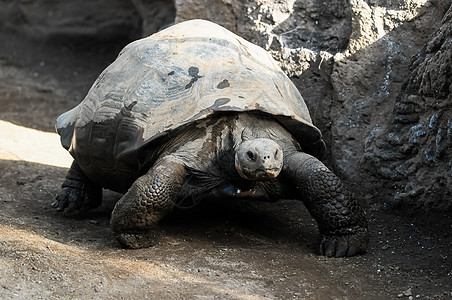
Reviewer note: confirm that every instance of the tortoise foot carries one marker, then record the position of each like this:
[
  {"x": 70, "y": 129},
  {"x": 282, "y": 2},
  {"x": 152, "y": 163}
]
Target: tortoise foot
[
  {"x": 136, "y": 240},
  {"x": 78, "y": 194},
  {"x": 74, "y": 201},
  {"x": 344, "y": 245}
]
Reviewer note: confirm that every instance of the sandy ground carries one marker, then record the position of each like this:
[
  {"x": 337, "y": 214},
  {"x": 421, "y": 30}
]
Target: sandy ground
[{"x": 239, "y": 250}]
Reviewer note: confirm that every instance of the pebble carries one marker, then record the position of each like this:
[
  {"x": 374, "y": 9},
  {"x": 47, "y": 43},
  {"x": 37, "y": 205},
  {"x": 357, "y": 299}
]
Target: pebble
[{"x": 408, "y": 293}]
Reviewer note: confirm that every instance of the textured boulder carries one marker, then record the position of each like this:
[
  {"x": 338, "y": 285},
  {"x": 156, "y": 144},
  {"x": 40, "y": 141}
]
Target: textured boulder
[
  {"x": 99, "y": 19},
  {"x": 413, "y": 149}
]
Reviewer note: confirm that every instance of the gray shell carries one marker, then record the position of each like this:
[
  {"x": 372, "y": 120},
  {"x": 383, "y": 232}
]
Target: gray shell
[{"x": 182, "y": 74}]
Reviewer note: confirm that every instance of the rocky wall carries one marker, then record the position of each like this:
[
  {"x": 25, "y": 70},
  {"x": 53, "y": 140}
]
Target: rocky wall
[
  {"x": 101, "y": 20},
  {"x": 412, "y": 151}
]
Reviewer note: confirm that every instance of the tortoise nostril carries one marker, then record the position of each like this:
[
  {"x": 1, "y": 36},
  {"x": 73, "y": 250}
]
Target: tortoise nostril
[{"x": 251, "y": 155}]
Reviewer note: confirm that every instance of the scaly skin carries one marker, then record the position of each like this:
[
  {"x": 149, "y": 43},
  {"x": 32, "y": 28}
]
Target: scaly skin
[
  {"x": 341, "y": 221},
  {"x": 78, "y": 194},
  {"x": 147, "y": 201}
]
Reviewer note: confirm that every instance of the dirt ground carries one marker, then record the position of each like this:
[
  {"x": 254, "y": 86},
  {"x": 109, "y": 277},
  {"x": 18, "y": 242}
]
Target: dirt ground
[{"x": 240, "y": 250}]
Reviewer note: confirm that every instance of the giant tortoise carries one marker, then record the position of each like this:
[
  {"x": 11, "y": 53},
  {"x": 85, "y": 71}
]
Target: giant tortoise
[{"x": 196, "y": 112}]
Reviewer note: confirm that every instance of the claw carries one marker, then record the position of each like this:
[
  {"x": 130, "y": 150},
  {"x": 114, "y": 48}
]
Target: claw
[
  {"x": 329, "y": 246},
  {"x": 55, "y": 203},
  {"x": 353, "y": 250},
  {"x": 344, "y": 245},
  {"x": 62, "y": 204},
  {"x": 341, "y": 248},
  {"x": 71, "y": 208},
  {"x": 136, "y": 240}
]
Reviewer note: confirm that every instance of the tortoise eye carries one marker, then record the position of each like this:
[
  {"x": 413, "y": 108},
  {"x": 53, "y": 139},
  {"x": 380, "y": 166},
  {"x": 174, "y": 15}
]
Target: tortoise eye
[
  {"x": 251, "y": 155},
  {"x": 277, "y": 154}
]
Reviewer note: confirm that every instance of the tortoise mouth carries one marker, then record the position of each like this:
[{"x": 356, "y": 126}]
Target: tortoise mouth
[{"x": 259, "y": 174}]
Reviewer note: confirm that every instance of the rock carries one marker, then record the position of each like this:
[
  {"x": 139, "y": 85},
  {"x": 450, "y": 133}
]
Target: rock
[
  {"x": 98, "y": 19},
  {"x": 406, "y": 293},
  {"x": 71, "y": 19},
  {"x": 155, "y": 14},
  {"x": 422, "y": 119}
]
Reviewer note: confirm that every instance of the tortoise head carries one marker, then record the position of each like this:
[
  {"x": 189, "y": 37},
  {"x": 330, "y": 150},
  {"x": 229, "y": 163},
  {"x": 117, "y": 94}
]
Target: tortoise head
[{"x": 258, "y": 159}]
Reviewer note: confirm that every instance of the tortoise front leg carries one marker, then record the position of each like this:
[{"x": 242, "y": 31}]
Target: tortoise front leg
[
  {"x": 147, "y": 201},
  {"x": 341, "y": 220}
]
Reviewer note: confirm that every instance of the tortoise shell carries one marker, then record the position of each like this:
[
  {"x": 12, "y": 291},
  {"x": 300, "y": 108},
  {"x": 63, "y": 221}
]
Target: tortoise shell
[{"x": 171, "y": 79}]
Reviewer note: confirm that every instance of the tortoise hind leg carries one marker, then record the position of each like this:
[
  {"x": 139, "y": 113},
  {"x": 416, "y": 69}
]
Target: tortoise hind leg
[
  {"x": 341, "y": 221},
  {"x": 147, "y": 201},
  {"x": 78, "y": 194}
]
